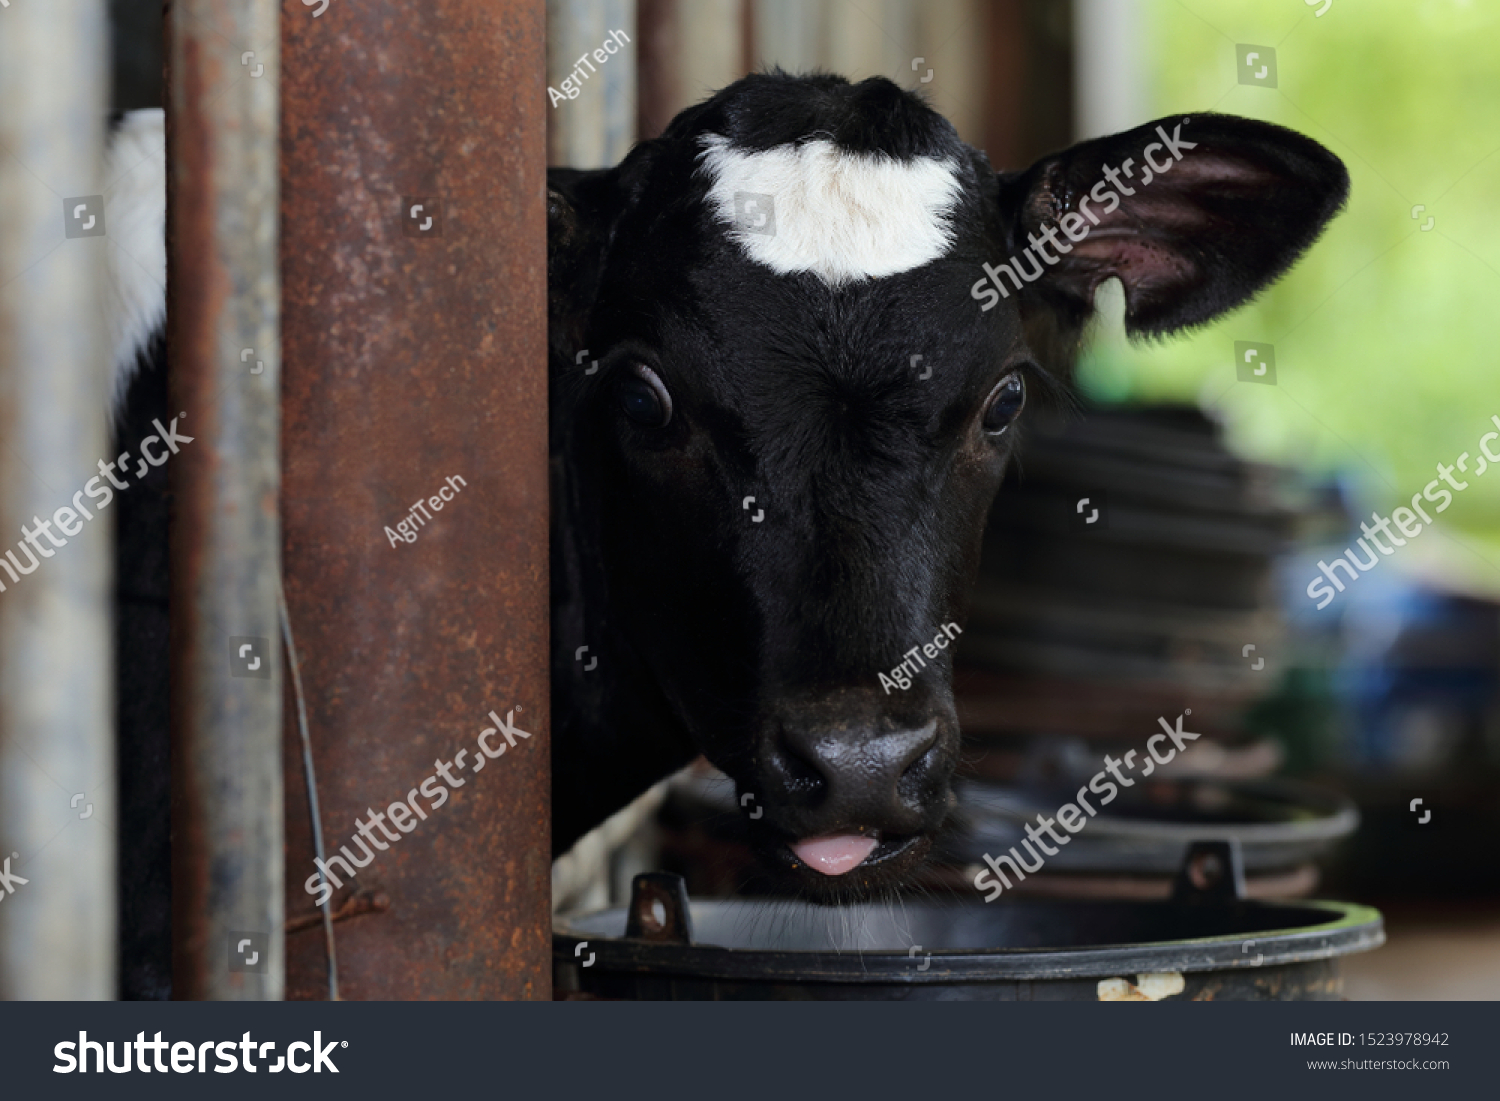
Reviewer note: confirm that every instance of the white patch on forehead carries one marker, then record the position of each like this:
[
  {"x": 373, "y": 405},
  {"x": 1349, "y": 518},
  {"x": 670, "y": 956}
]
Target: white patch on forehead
[{"x": 842, "y": 216}]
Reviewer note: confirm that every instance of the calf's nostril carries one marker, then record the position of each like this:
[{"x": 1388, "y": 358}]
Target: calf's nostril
[
  {"x": 804, "y": 780},
  {"x": 921, "y": 744},
  {"x": 854, "y": 772}
]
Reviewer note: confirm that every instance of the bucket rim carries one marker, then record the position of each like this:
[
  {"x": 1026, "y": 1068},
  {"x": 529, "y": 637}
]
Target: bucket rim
[{"x": 1350, "y": 928}]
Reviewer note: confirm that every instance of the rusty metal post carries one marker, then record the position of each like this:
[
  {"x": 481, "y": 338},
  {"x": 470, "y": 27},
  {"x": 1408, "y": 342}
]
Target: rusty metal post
[
  {"x": 415, "y": 494},
  {"x": 224, "y": 299},
  {"x": 57, "y": 922}
]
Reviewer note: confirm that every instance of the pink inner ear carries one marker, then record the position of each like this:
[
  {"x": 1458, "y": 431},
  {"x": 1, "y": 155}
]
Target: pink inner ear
[
  {"x": 1143, "y": 265},
  {"x": 1198, "y": 169}
]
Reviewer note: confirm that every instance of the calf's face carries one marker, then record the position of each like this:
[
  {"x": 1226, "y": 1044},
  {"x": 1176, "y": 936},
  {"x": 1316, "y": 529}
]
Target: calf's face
[
  {"x": 800, "y": 394},
  {"x": 789, "y": 508}
]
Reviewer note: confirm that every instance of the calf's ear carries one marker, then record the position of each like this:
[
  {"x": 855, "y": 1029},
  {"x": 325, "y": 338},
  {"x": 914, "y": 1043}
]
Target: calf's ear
[{"x": 1193, "y": 214}]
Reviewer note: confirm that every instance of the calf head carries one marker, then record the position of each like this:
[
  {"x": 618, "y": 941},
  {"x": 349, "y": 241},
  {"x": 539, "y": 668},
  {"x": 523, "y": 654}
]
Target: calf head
[{"x": 786, "y": 387}]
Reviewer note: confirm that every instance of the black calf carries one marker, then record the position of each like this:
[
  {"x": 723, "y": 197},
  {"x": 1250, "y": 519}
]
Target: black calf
[{"x": 786, "y": 368}]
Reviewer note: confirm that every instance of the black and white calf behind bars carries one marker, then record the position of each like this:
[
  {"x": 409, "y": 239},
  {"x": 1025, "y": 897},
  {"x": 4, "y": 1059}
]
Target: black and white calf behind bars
[{"x": 791, "y": 342}]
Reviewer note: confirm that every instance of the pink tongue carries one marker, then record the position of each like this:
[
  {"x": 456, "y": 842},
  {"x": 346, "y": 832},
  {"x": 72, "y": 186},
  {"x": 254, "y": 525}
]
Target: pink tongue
[{"x": 834, "y": 855}]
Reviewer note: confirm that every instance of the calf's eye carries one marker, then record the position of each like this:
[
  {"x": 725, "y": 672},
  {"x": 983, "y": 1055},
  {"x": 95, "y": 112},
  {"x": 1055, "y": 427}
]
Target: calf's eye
[
  {"x": 643, "y": 398},
  {"x": 1004, "y": 404}
]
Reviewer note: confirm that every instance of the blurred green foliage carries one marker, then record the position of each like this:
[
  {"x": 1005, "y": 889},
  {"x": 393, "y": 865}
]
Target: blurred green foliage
[{"x": 1386, "y": 335}]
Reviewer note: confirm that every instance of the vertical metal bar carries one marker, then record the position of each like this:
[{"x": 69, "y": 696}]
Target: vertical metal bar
[
  {"x": 950, "y": 38},
  {"x": 873, "y": 39},
  {"x": 688, "y": 50},
  {"x": 416, "y": 359},
  {"x": 791, "y": 33},
  {"x": 658, "y": 64},
  {"x": 1004, "y": 93},
  {"x": 713, "y": 48},
  {"x": 596, "y": 128},
  {"x": 1110, "y": 66},
  {"x": 57, "y": 921},
  {"x": 223, "y": 340}
]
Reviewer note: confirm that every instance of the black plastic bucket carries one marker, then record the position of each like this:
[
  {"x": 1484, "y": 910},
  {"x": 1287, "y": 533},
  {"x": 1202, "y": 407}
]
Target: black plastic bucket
[
  {"x": 1205, "y": 944},
  {"x": 1278, "y": 823}
]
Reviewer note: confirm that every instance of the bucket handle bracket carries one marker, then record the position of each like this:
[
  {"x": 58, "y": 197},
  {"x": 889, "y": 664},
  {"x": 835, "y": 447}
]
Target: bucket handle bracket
[
  {"x": 1211, "y": 872},
  {"x": 659, "y": 909}
]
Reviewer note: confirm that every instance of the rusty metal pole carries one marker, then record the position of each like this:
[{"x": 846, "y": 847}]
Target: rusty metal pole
[
  {"x": 224, "y": 298},
  {"x": 57, "y": 922},
  {"x": 414, "y": 268}
]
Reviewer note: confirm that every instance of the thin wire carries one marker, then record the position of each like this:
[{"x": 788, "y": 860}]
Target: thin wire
[{"x": 312, "y": 788}]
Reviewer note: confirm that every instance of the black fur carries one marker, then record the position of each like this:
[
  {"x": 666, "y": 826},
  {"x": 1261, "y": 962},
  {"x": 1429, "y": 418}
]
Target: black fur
[
  {"x": 142, "y": 708},
  {"x": 760, "y": 644},
  {"x": 141, "y": 594}
]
